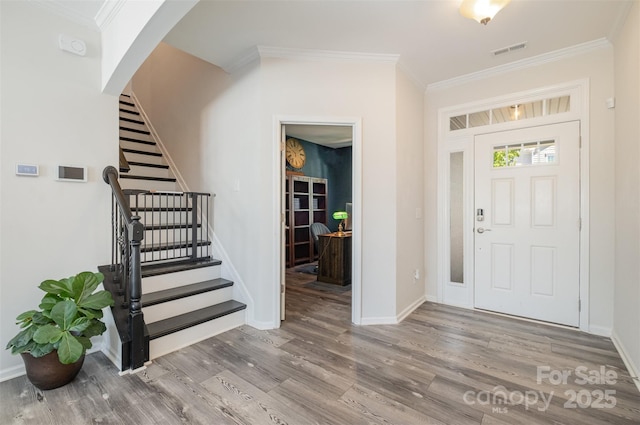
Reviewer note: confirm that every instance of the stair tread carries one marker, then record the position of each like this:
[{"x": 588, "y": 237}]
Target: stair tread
[
  {"x": 177, "y": 266},
  {"x": 171, "y": 245},
  {"x": 160, "y": 179},
  {"x": 131, "y": 139},
  {"x": 196, "y": 317},
  {"x": 141, "y": 152},
  {"x": 135, "y": 130},
  {"x": 129, "y": 112},
  {"x": 158, "y": 297},
  {"x": 146, "y": 164},
  {"x": 131, "y": 120},
  {"x": 124, "y": 102}
]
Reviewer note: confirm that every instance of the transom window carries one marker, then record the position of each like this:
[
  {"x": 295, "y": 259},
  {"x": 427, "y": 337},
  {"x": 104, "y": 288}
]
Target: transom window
[{"x": 517, "y": 112}]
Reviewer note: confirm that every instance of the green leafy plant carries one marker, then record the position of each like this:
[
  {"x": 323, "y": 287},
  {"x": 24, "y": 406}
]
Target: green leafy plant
[
  {"x": 69, "y": 316},
  {"x": 500, "y": 159}
]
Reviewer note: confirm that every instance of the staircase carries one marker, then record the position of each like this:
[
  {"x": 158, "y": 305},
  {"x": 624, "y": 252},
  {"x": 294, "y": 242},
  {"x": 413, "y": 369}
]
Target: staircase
[
  {"x": 147, "y": 167},
  {"x": 184, "y": 298}
]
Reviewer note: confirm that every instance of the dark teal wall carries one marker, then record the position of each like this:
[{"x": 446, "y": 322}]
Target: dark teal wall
[{"x": 335, "y": 166}]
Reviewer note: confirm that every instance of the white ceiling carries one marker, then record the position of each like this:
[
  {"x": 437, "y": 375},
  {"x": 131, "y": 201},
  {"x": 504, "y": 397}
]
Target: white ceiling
[
  {"x": 331, "y": 136},
  {"x": 433, "y": 41}
]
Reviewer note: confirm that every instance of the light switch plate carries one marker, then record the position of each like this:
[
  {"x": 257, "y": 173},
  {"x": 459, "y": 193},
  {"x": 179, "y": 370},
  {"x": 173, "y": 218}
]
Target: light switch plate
[{"x": 27, "y": 170}]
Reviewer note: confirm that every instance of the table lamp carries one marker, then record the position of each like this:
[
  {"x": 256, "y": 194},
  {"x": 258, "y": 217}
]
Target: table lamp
[{"x": 342, "y": 216}]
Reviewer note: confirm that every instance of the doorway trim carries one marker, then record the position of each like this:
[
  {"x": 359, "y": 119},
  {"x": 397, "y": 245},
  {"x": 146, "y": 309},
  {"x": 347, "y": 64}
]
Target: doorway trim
[
  {"x": 461, "y": 295},
  {"x": 356, "y": 259}
]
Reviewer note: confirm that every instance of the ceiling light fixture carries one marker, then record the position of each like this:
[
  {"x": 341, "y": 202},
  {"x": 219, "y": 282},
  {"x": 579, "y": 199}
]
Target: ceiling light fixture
[{"x": 482, "y": 10}]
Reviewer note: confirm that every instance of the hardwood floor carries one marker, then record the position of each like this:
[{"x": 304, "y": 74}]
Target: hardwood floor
[{"x": 442, "y": 365}]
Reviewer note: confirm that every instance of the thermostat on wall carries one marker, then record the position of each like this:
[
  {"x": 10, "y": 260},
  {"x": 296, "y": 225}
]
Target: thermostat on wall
[
  {"x": 27, "y": 170},
  {"x": 72, "y": 174}
]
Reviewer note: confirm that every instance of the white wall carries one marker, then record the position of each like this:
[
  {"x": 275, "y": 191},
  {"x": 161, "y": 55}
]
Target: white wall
[
  {"x": 228, "y": 142},
  {"x": 410, "y": 193},
  {"x": 597, "y": 65},
  {"x": 52, "y": 113},
  {"x": 132, "y": 34},
  {"x": 343, "y": 89},
  {"x": 208, "y": 121},
  {"x": 626, "y": 320}
]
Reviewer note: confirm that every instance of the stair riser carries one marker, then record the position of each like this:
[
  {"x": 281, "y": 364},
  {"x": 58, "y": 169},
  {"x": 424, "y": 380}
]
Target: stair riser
[
  {"x": 137, "y": 170},
  {"x": 201, "y": 251},
  {"x": 134, "y": 135},
  {"x": 185, "y": 305},
  {"x": 174, "y": 280},
  {"x": 133, "y": 125},
  {"x": 125, "y": 144},
  {"x": 148, "y": 159},
  {"x": 146, "y": 184},
  {"x": 167, "y": 344},
  {"x": 129, "y": 112}
]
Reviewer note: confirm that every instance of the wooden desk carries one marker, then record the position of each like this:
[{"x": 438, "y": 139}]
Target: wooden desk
[{"x": 334, "y": 261}]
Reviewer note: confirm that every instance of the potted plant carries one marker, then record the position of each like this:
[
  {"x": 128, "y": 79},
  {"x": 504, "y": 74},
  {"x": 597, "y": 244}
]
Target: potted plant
[{"x": 54, "y": 339}]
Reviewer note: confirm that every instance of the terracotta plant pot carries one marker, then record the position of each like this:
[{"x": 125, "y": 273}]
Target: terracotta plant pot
[{"x": 47, "y": 372}]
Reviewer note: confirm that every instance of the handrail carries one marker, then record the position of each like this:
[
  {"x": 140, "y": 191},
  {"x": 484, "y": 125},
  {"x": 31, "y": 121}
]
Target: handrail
[
  {"x": 110, "y": 177},
  {"x": 126, "y": 240}
]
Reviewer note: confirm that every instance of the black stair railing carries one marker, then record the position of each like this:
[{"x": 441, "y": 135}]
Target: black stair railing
[
  {"x": 127, "y": 235},
  {"x": 175, "y": 224}
]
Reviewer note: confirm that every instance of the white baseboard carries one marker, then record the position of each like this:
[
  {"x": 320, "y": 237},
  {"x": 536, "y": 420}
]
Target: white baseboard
[
  {"x": 410, "y": 308},
  {"x": 431, "y": 298},
  {"x": 600, "y": 330},
  {"x": 633, "y": 369},
  {"x": 262, "y": 326},
  {"x": 389, "y": 320},
  {"x": 12, "y": 372}
]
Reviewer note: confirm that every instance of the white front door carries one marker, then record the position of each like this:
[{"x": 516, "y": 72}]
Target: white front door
[{"x": 527, "y": 224}]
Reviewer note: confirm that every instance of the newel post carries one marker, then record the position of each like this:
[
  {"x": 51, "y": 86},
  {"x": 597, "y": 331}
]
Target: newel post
[{"x": 136, "y": 319}]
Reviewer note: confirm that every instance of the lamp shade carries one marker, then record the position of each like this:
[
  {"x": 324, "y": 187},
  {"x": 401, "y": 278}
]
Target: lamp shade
[
  {"x": 340, "y": 215},
  {"x": 482, "y": 10}
]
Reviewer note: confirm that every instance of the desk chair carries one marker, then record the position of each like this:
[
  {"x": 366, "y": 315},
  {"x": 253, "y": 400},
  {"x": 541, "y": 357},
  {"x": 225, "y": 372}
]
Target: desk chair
[{"x": 318, "y": 229}]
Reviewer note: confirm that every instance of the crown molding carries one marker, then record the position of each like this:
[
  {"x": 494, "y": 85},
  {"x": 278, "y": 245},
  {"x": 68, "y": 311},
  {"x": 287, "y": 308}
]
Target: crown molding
[
  {"x": 258, "y": 52},
  {"x": 107, "y": 12},
  {"x": 553, "y": 56},
  {"x": 65, "y": 11},
  {"x": 248, "y": 57}
]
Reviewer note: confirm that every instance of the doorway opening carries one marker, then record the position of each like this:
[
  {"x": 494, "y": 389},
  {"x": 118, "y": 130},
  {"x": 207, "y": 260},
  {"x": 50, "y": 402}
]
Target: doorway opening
[{"x": 319, "y": 175}]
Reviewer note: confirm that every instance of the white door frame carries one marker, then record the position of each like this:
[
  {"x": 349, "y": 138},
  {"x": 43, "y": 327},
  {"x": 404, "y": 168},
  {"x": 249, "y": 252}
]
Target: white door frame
[
  {"x": 356, "y": 258},
  {"x": 463, "y": 141}
]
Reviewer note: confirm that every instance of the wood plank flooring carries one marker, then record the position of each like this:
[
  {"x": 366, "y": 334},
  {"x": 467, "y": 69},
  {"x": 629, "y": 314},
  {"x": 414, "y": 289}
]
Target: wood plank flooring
[{"x": 442, "y": 365}]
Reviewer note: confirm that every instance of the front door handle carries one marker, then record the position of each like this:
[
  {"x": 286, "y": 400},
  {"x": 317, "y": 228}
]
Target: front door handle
[{"x": 482, "y": 230}]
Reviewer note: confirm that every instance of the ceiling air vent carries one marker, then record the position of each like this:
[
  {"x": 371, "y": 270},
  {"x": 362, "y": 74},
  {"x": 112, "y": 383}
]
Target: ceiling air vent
[{"x": 509, "y": 49}]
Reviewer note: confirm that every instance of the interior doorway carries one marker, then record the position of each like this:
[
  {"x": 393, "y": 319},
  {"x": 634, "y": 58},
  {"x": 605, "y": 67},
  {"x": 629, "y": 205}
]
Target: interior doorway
[{"x": 320, "y": 178}]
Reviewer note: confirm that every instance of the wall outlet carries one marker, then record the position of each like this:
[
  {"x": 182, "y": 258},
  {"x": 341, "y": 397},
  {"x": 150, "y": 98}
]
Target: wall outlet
[{"x": 416, "y": 274}]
